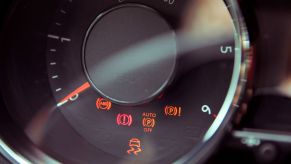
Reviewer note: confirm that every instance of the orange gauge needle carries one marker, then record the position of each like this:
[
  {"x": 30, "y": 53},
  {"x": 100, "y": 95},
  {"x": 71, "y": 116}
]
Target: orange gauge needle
[{"x": 75, "y": 93}]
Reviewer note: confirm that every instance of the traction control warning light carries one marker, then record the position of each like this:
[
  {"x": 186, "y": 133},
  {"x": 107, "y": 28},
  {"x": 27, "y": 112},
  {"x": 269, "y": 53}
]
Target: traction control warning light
[{"x": 134, "y": 146}]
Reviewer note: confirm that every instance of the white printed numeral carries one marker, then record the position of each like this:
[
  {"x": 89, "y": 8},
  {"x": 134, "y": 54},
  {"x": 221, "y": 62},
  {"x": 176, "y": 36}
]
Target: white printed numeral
[{"x": 226, "y": 49}]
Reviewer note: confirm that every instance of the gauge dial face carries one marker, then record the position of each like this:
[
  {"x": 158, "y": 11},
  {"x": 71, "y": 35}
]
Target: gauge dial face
[{"x": 138, "y": 81}]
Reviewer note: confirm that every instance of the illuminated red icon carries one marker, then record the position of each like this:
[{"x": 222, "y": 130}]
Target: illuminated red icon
[
  {"x": 173, "y": 111},
  {"x": 134, "y": 146},
  {"x": 103, "y": 104},
  {"x": 124, "y": 119}
]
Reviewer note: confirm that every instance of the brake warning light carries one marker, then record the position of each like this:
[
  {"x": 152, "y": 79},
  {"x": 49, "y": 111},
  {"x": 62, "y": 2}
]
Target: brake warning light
[
  {"x": 173, "y": 111},
  {"x": 124, "y": 119},
  {"x": 103, "y": 104},
  {"x": 134, "y": 146}
]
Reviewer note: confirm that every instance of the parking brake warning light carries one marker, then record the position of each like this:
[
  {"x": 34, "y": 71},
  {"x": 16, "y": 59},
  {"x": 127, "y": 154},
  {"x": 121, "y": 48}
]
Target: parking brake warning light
[{"x": 124, "y": 119}]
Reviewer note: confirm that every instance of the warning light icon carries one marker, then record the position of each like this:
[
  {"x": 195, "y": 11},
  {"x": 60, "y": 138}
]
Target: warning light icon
[
  {"x": 103, "y": 104},
  {"x": 124, "y": 119},
  {"x": 173, "y": 111},
  {"x": 134, "y": 146},
  {"x": 148, "y": 121}
]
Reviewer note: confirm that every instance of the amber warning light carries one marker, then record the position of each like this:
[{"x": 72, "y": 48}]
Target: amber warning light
[
  {"x": 134, "y": 146},
  {"x": 148, "y": 121},
  {"x": 103, "y": 104},
  {"x": 173, "y": 111}
]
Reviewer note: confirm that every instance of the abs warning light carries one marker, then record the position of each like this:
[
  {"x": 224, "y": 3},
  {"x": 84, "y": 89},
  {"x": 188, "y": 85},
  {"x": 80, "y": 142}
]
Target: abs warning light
[
  {"x": 173, "y": 111},
  {"x": 103, "y": 104},
  {"x": 134, "y": 146}
]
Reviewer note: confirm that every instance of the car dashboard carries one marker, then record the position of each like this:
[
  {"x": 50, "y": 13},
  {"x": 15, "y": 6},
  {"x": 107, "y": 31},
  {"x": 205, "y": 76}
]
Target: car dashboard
[{"x": 135, "y": 81}]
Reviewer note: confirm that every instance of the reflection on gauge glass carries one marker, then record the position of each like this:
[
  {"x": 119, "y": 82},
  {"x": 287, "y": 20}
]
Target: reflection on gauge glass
[{"x": 139, "y": 81}]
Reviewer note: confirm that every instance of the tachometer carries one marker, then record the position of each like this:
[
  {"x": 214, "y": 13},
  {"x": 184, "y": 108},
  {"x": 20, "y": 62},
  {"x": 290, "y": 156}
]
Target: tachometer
[{"x": 137, "y": 81}]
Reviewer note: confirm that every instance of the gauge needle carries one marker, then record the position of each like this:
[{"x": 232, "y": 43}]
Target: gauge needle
[{"x": 77, "y": 91}]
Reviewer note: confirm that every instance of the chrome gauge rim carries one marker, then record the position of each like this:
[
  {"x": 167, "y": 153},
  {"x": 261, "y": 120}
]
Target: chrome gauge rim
[{"x": 235, "y": 93}]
